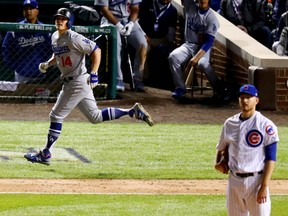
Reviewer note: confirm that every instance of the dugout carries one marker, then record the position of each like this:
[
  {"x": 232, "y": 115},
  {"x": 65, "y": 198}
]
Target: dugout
[
  {"x": 239, "y": 59},
  {"x": 106, "y": 39},
  {"x": 11, "y": 10}
]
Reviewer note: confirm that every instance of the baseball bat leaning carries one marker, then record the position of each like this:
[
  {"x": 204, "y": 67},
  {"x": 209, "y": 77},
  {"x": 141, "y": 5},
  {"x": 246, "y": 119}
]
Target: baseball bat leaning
[
  {"x": 132, "y": 84},
  {"x": 107, "y": 55},
  {"x": 189, "y": 78}
]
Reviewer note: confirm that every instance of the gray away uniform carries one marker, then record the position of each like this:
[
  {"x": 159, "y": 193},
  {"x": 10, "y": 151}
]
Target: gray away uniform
[
  {"x": 197, "y": 25},
  {"x": 69, "y": 50},
  {"x": 121, "y": 10}
]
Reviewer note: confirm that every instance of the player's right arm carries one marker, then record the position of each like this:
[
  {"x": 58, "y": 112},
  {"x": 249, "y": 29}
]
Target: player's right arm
[
  {"x": 112, "y": 19},
  {"x": 45, "y": 65},
  {"x": 52, "y": 60},
  {"x": 108, "y": 15}
]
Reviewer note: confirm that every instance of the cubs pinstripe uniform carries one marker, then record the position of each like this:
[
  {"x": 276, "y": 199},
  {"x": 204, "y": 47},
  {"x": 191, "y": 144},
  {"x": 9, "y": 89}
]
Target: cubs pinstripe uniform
[{"x": 251, "y": 145}]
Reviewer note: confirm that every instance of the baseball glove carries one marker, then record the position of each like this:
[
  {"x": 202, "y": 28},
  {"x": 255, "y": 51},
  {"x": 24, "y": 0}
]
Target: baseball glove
[{"x": 222, "y": 161}]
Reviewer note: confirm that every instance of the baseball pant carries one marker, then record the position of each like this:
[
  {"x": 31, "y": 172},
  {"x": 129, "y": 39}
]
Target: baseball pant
[
  {"x": 180, "y": 57},
  {"x": 76, "y": 93},
  {"x": 241, "y": 197}
]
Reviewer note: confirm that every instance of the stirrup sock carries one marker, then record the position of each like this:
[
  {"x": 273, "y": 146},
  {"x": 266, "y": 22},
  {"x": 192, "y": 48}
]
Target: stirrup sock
[
  {"x": 113, "y": 113},
  {"x": 53, "y": 134}
]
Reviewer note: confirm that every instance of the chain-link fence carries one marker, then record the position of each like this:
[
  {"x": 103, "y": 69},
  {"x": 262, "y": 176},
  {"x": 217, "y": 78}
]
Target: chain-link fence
[{"x": 24, "y": 46}]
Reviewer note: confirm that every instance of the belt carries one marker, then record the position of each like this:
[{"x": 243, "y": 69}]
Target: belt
[
  {"x": 245, "y": 175},
  {"x": 192, "y": 42},
  {"x": 67, "y": 79}
]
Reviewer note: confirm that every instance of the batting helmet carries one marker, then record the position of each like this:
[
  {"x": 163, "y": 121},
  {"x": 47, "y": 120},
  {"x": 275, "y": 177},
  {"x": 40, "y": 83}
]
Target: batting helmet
[{"x": 64, "y": 12}]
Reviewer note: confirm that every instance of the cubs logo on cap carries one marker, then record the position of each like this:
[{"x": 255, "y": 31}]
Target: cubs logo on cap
[
  {"x": 248, "y": 89},
  {"x": 32, "y": 3}
]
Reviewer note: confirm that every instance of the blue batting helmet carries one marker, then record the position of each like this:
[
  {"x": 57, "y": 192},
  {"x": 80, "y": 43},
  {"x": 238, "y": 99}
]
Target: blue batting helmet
[{"x": 64, "y": 12}]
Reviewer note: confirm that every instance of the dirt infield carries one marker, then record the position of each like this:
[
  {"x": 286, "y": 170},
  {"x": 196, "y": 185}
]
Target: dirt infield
[
  {"x": 158, "y": 102},
  {"x": 164, "y": 110},
  {"x": 112, "y": 186}
]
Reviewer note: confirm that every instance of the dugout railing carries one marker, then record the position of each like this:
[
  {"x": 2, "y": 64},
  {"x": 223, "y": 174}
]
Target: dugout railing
[{"x": 49, "y": 88}]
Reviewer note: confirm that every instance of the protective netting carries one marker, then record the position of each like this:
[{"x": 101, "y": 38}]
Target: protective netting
[{"x": 20, "y": 79}]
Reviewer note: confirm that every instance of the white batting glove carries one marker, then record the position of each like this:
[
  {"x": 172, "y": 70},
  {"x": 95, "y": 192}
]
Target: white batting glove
[
  {"x": 93, "y": 79},
  {"x": 128, "y": 28},
  {"x": 120, "y": 28},
  {"x": 43, "y": 67}
]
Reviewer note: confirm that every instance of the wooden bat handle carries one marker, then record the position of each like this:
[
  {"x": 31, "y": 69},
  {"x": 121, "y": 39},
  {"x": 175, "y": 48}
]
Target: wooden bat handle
[{"x": 189, "y": 78}]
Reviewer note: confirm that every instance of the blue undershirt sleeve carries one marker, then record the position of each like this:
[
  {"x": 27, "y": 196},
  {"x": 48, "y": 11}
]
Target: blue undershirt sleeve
[
  {"x": 270, "y": 152},
  {"x": 208, "y": 42}
]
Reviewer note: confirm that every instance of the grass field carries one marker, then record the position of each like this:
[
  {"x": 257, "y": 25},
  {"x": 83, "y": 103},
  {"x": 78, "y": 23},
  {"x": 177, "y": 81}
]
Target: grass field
[
  {"x": 120, "y": 151},
  {"x": 124, "y": 205}
]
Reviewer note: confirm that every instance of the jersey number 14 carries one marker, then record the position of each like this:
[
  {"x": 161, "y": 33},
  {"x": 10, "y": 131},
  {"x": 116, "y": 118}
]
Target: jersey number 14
[{"x": 66, "y": 61}]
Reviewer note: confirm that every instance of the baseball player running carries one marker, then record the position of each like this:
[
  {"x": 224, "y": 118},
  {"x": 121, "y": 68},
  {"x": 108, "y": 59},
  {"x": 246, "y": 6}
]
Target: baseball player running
[
  {"x": 69, "y": 50},
  {"x": 252, "y": 140}
]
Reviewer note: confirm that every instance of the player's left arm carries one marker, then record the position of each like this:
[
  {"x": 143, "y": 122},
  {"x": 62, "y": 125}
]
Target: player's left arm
[
  {"x": 208, "y": 36},
  {"x": 207, "y": 44},
  {"x": 270, "y": 159},
  {"x": 96, "y": 59}
]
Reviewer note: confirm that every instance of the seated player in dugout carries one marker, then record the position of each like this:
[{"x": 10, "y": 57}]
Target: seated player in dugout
[
  {"x": 158, "y": 19},
  {"x": 69, "y": 50},
  {"x": 23, "y": 51},
  {"x": 201, "y": 26}
]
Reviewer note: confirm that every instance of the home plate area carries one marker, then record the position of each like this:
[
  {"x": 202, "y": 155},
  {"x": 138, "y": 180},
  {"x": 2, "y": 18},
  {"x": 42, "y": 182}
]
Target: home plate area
[{"x": 59, "y": 154}]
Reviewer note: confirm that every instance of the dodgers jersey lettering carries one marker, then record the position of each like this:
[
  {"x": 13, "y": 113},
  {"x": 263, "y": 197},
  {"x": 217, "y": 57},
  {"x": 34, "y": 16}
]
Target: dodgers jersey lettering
[
  {"x": 119, "y": 8},
  {"x": 69, "y": 50},
  {"x": 247, "y": 141},
  {"x": 31, "y": 41},
  {"x": 24, "y": 51},
  {"x": 197, "y": 24}
]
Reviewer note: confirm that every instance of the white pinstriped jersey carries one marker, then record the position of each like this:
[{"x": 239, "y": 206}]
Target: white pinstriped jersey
[
  {"x": 197, "y": 24},
  {"x": 247, "y": 140},
  {"x": 70, "y": 50},
  {"x": 119, "y": 8}
]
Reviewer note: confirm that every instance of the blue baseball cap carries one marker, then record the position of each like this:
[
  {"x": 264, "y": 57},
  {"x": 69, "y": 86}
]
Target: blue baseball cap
[
  {"x": 248, "y": 89},
  {"x": 32, "y": 3}
]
